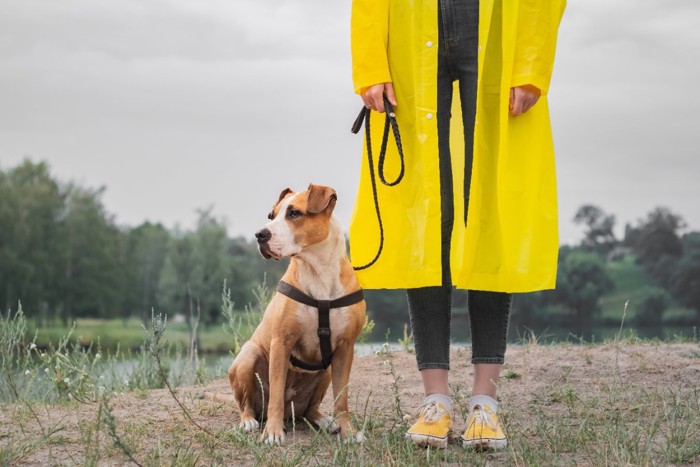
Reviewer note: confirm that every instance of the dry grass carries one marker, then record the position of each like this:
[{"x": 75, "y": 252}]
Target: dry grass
[{"x": 620, "y": 403}]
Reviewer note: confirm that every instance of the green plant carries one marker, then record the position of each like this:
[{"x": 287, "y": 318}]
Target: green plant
[
  {"x": 406, "y": 341},
  {"x": 385, "y": 355},
  {"x": 366, "y": 331},
  {"x": 13, "y": 354},
  {"x": 240, "y": 325}
]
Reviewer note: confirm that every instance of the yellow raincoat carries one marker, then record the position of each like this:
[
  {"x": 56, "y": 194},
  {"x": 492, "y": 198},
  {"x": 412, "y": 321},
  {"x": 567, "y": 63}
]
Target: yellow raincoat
[{"x": 510, "y": 242}]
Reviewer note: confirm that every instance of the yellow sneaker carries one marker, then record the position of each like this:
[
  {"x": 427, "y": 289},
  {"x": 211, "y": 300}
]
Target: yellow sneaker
[
  {"x": 432, "y": 427},
  {"x": 483, "y": 430}
]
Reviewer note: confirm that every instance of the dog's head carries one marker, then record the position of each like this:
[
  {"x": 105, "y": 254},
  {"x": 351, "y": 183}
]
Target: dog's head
[{"x": 297, "y": 220}]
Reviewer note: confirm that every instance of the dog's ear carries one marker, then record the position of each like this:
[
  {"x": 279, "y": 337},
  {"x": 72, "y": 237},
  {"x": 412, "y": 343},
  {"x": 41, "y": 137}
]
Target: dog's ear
[
  {"x": 284, "y": 193},
  {"x": 321, "y": 198}
]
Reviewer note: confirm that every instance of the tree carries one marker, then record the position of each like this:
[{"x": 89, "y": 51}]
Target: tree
[
  {"x": 211, "y": 264},
  {"x": 195, "y": 268},
  {"x": 91, "y": 259},
  {"x": 581, "y": 281},
  {"x": 685, "y": 284},
  {"x": 526, "y": 309},
  {"x": 662, "y": 270},
  {"x": 657, "y": 235},
  {"x": 147, "y": 247},
  {"x": 599, "y": 235},
  {"x": 651, "y": 308},
  {"x": 178, "y": 275},
  {"x": 30, "y": 205}
]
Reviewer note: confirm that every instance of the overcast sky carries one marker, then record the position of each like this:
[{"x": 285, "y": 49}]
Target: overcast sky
[{"x": 175, "y": 105}]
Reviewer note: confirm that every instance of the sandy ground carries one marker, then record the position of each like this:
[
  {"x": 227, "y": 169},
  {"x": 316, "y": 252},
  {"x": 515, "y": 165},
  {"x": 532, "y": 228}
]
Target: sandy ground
[{"x": 535, "y": 374}]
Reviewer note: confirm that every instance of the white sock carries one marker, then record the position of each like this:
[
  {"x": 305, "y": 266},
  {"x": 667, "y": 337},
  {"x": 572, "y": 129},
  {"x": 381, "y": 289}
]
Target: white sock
[
  {"x": 482, "y": 401},
  {"x": 443, "y": 399}
]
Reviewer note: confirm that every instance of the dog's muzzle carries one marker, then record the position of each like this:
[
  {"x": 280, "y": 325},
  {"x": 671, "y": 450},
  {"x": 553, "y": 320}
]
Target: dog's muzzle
[{"x": 263, "y": 236}]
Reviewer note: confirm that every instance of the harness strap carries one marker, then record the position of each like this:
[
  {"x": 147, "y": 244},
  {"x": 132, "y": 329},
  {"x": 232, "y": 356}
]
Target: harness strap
[{"x": 324, "y": 321}]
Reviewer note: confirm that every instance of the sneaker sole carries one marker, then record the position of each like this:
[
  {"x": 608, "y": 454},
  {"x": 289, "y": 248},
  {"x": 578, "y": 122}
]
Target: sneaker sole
[
  {"x": 427, "y": 440},
  {"x": 484, "y": 444}
]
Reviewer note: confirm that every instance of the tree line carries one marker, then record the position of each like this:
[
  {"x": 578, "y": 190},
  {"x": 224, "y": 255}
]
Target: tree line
[
  {"x": 668, "y": 254},
  {"x": 64, "y": 257}
]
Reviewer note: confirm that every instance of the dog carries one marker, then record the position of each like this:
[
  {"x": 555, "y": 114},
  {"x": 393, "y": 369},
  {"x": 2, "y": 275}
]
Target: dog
[{"x": 278, "y": 369}]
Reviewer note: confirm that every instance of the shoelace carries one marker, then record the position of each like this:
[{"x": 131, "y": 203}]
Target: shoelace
[
  {"x": 484, "y": 417},
  {"x": 432, "y": 412}
]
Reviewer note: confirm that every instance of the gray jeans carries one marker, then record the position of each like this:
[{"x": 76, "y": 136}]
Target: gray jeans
[{"x": 430, "y": 307}]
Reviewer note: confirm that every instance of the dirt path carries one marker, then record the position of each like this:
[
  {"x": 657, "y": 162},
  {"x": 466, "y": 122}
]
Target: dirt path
[{"x": 537, "y": 379}]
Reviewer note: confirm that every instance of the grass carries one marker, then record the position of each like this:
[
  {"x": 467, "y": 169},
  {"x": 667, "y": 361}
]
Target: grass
[
  {"x": 128, "y": 334},
  {"x": 66, "y": 405}
]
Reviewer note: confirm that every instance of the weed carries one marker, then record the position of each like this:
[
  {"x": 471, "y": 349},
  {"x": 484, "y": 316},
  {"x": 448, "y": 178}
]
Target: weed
[
  {"x": 155, "y": 348},
  {"x": 387, "y": 360},
  {"x": 406, "y": 342},
  {"x": 111, "y": 425},
  {"x": 366, "y": 331},
  {"x": 240, "y": 326}
]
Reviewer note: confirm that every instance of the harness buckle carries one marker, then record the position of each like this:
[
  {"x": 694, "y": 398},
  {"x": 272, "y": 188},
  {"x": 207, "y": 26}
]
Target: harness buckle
[{"x": 323, "y": 332}]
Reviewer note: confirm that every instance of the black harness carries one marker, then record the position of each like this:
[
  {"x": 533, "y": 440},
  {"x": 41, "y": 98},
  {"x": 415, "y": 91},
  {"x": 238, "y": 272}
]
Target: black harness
[{"x": 324, "y": 321}]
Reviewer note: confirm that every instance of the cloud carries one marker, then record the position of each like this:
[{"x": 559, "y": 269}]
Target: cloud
[{"x": 176, "y": 105}]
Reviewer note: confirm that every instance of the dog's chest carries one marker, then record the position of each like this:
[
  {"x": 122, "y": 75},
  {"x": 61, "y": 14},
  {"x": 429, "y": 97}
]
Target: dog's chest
[{"x": 308, "y": 318}]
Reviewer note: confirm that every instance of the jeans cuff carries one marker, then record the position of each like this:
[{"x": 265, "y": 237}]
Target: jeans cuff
[
  {"x": 433, "y": 366},
  {"x": 488, "y": 360}
]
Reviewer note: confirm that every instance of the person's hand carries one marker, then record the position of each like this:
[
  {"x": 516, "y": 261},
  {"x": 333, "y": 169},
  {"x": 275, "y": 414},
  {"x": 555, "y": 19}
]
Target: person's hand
[
  {"x": 373, "y": 96},
  {"x": 522, "y": 98}
]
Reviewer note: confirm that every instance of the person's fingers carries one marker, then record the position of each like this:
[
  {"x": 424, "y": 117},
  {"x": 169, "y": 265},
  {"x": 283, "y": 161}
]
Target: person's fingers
[
  {"x": 517, "y": 108},
  {"x": 379, "y": 102},
  {"x": 530, "y": 101},
  {"x": 389, "y": 88},
  {"x": 511, "y": 100},
  {"x": 521, "y": 100},
  {"x": 373, "y": 97},
  {"x": 365, "y": 100},
  {"x": 370, "y": 95},
  {"x": 378, "y": 97}
]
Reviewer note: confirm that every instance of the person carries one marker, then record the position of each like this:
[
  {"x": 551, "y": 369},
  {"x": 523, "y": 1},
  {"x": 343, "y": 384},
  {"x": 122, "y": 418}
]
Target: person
[{"x": 476, "y": 208}]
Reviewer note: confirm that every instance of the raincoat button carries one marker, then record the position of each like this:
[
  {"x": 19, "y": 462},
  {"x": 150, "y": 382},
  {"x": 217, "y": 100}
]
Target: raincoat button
[
  {"x": 429, "y": 116},
  {"x": 480, "y": 47},
  {"x": 429, "y": 44}
]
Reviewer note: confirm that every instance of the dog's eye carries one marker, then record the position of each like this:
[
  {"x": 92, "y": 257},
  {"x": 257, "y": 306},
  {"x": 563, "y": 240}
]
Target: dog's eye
[
  {"x": 271, "y": 215},
  {"x": 294, "y": 213}
]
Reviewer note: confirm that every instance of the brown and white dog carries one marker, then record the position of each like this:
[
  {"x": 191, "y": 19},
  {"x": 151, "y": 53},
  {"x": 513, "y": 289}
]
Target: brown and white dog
[{"x": 303, "y": 228}]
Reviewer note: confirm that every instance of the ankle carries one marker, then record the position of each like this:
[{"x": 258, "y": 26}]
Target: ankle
[
  {"x": 443, "y": 399},
  {"x": 483, "y": 400}
]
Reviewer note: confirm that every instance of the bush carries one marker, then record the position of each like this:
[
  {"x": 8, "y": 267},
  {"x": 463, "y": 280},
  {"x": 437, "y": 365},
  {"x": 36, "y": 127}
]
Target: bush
[{"x": 650, "y": 310}]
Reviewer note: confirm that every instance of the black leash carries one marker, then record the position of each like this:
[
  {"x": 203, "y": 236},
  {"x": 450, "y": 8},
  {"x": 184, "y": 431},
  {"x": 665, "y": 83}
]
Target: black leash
[
  {"x": 390, "y": 121},
  {"x": 324, "y": 321}
]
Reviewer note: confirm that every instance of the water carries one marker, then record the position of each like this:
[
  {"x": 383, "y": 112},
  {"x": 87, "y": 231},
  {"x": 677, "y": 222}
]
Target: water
[{"x": 546, "y": 335}]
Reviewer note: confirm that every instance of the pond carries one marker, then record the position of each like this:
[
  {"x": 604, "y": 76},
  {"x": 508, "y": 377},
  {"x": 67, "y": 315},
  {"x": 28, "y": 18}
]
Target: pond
[{"x": 548, "y": 334}]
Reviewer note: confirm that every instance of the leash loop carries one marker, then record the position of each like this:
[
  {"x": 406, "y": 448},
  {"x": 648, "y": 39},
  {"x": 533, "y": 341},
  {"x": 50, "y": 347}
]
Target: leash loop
[{"x": 389, "y": 122}]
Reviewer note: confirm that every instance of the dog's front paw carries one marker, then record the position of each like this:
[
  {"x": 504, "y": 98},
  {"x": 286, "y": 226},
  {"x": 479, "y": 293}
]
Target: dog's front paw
[
  {"x": 249, "y": 424},
  {"x": 274, "y": 433},
  {"x": 358, "y": 438},
  {"x": 327, "y": 423}
]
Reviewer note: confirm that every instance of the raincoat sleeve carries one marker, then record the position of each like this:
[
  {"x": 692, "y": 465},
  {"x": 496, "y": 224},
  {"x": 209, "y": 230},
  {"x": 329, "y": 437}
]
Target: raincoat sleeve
[
  {"x": 369, "y": 36},
  {"x": 536, "y": 39}
]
